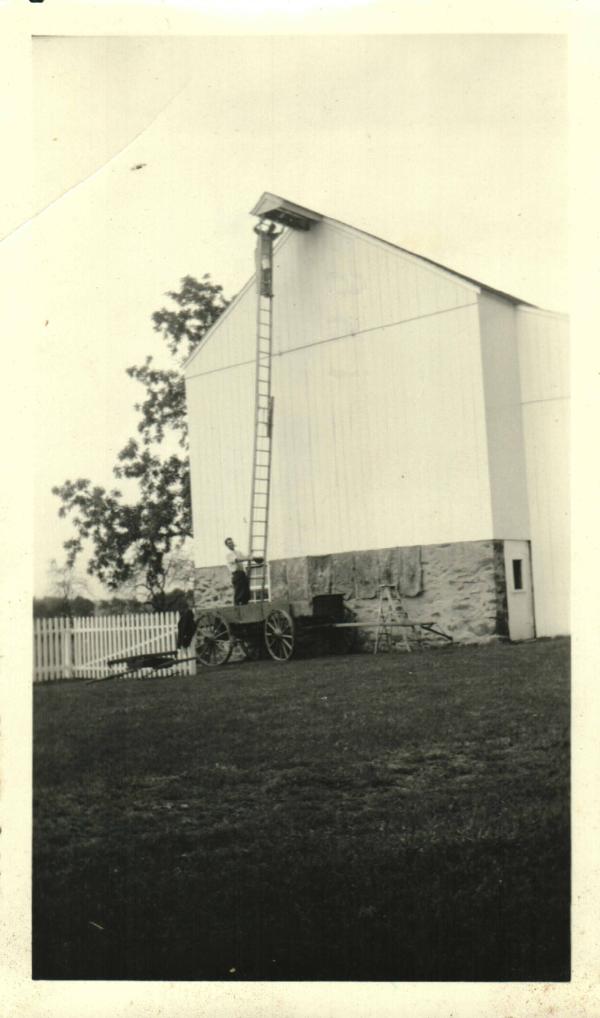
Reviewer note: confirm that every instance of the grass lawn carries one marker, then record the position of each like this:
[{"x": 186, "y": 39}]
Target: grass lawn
[{"x": 399, "y": 817}]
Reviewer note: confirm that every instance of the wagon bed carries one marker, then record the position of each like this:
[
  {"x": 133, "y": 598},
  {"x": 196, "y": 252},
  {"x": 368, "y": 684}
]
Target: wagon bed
[{"x": 271, "y": 625}]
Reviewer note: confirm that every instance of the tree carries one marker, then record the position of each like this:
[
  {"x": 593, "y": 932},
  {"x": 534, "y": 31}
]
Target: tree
[
  {"x": 67, "y": 588},
  {"x": 133, "y": 541},
  {"x": 50, "y": 607},
  {"x": 171, "y": 586}
]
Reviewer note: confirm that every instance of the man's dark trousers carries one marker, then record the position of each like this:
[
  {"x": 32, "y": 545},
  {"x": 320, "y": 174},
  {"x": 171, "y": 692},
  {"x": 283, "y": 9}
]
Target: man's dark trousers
[{"x": 241, "y": 587}]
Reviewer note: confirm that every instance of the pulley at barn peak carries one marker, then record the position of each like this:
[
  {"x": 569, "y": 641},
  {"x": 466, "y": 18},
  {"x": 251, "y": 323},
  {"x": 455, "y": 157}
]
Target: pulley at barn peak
[{"x": 286, "y": 213}]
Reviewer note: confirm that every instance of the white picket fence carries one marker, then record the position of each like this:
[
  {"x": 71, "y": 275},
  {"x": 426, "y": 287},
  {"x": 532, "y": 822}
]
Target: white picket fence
[{"x": 80, "y": 647}]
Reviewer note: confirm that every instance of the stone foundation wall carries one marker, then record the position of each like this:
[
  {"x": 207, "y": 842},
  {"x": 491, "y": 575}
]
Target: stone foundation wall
[
  {"x": 212, "y": 586},
  {"x": 460, "y": 587}
]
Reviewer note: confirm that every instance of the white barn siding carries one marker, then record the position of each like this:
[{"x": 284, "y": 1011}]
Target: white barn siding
[
  {"x": 220, "y": 400},
  {"x": 506, "y": 444},
  {"x": 379, "y": 429},
  {"x": 544, "y": 366},
  {"x": 379, "y": 435},
  {"x": 380, "y": 440}
]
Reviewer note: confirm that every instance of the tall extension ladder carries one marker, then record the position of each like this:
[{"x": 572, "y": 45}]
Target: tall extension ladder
[{"x": 263, "y": 408}]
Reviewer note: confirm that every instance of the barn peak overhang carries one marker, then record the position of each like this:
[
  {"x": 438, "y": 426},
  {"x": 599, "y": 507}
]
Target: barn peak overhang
[{"x": 287, "y": 213}]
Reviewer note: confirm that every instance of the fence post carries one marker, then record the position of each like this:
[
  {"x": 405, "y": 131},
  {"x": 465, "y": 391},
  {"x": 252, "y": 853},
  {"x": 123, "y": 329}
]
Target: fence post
[{"x": 67, "y": 656}]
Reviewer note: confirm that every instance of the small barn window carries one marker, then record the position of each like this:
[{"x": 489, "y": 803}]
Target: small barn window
[{"x": 517, "y": 568}]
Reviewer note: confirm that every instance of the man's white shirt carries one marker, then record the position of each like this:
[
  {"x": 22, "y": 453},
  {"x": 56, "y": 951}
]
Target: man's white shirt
[{"x": 231, "y": 557}]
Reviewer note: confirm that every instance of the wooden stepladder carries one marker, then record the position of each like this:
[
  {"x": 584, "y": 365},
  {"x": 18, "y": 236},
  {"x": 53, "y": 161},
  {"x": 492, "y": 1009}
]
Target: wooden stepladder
[
  {"x": 263, "y": 408},
  {"x": 392, "y": 623}
]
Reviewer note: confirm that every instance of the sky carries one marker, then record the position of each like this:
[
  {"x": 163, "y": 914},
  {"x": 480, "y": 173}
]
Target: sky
[{"x": 451, "y": 146}]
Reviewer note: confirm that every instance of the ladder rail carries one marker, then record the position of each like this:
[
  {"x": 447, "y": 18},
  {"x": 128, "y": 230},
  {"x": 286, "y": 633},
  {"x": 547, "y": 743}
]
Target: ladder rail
[{"x": 263, "y": 408}]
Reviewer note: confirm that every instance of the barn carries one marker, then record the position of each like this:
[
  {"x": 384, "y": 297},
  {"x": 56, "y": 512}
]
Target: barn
[{"x": 420, "y": 436}]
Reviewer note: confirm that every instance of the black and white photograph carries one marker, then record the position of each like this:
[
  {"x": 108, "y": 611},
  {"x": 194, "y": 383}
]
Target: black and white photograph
[{"x": 302, "y": 599}]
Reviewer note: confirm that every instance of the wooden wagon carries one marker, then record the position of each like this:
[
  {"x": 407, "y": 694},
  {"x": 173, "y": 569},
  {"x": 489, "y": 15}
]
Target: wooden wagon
[{"x": 273, "y": 627}]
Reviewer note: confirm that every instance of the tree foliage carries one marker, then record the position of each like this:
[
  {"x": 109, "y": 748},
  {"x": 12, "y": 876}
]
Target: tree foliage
[
  {"x": 133, "y": 543},
  {"x": 50, "y": 607}
]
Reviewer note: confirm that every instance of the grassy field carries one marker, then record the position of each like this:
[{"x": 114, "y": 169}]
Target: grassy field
[{"x": 367, "y": 818}]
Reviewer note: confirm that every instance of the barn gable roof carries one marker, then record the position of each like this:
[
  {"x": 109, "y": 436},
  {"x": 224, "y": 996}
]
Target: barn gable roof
[
  {"x": 280, "y": 210},
  {"x": 294, "y": 216}
]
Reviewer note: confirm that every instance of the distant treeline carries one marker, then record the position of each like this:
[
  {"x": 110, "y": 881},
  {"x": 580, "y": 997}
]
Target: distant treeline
[{"x": 51, "y": 607}]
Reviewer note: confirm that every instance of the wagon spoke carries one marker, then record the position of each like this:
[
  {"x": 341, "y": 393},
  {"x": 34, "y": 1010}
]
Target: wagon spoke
[
  {"x": 214, "y": 641},
  {"x": 279, "y": 634}
]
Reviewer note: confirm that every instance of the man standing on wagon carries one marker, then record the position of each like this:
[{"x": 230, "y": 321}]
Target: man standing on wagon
[{"x": 235, "y": 560}]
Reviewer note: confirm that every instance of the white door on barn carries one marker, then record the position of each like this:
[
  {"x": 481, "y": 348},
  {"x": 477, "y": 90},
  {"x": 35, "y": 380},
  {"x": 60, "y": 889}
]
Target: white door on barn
[{"x": 519, "y": 590}]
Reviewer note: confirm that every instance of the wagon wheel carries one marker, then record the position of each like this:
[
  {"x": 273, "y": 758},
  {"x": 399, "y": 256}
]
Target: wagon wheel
[
  {"x": 279, "y": 634},
  {"x": 214, "y": 642}
]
